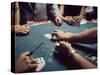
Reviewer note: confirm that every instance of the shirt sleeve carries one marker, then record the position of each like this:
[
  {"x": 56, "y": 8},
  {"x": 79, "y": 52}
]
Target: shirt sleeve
[{"x": 52, "y": 10}]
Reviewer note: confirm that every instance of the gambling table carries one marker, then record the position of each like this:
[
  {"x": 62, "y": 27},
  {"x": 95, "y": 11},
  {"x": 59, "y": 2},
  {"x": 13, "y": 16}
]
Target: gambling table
[{"x": 36, "y": 36}]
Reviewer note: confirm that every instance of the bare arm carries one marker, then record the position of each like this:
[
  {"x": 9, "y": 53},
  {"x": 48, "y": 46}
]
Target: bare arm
[
  {"x": 82, "y": 12},
  {"x": 54, "y": 14},
  {"x": 77, "y": 59},
  {"x": 82, "y": 62},
  {"x": 88, "y": 36},
  {"x": 61, "y": 9},
  {"x": 17, "y": 14}
]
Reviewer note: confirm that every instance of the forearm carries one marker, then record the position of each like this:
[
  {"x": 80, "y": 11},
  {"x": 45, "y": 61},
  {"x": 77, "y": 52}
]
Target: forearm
[
  {"x": 17, "y": 14},
  {"x": 61, "y": 10},
  {"x": 81, "y": 62},
  {"x": 89, "y": 36},
  {"x": 82, "y": 12}
]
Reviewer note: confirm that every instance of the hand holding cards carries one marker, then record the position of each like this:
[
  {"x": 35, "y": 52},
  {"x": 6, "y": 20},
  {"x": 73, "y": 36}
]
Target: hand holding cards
[{"x": 41, "y": 63}]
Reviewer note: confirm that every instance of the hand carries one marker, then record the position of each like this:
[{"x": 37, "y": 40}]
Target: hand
[
  {"x": 77, "y": 17},
  {"x": 23, "y": 29},
  {"x": 57, "y": 20},
  {"x": 68, "y": 19},
  {"x": 67, "y": 48},
  {"x": 25, "y": 63},
  {"x": 59, "y": 35}
]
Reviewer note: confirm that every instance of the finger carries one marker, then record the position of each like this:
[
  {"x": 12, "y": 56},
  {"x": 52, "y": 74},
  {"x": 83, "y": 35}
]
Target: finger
[
  {"x": 33, "y": 66},
  {"x": 27, "y": 30},
  {"x": 67, "y": 21},
  {"x": 23, "y": 27},
  {"x": 25, "y": 53},
  {"x": 29, "y": 24},
  {"x": 65, "y": 44},
  {"x": 28, "y": 60},
  {"x": 28, "y": 27},
  {"x": 24, "y": 32},
  {"x": 62, "y": 43},
  {"x": 59, "y": 21},
  {"x": 56, "y": 20},
  {"x": 33, "y": 61},
  {"x": 73, "y": 20}
]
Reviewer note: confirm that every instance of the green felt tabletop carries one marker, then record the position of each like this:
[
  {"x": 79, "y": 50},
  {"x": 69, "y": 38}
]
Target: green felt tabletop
[{"x": 36, "y": 36}]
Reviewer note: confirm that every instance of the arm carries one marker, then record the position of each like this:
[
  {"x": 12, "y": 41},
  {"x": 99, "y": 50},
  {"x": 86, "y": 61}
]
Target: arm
[
  {"x": 81, "y": 15},
  {"x": 61, "y": 9},
  {"x": 53, "y": 13},
  {"x": 17, "y": 28},
  {"x": 82, "y": 12},
  {"x": 17, "y": 14},
  {"x": 82, "y": 62},
  {"x": 78, "y": 60},
  {"x": 88, "y": 36}
]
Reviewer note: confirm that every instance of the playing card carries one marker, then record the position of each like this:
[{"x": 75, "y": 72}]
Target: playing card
[
  {"x": 41, "y": 63},
  {"x": 83, "y": 21},
  {"x": 48, "y": 36}
]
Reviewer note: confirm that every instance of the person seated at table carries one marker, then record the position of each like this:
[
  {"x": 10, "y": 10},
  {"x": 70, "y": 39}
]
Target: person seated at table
[
  {"x": 91, "y": 14},
  {"x": 16, "y": 25},
  {"x": 39, "y": 12},
  {"x": 87, "y": 36},
  {"x": 73, "y": 58},
  {"x": 71, "y": 14},
  {"x": 25, "y": 63},
  {"x": 23, "y": 14}
]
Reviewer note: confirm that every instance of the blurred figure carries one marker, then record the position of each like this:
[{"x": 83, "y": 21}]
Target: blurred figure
[
  {"x": 39, "y": 12},
  {"x": 72, "y": 14},
  {"x": 91, "y": 13},
  {"x": 23, "y": 14},
  {"x": 16, "y": 25}
]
